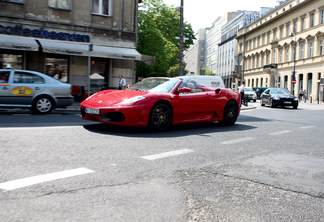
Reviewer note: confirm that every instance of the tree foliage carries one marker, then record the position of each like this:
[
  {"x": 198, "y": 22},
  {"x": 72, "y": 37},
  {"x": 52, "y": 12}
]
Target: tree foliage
[{"x": 158, "y": 27}]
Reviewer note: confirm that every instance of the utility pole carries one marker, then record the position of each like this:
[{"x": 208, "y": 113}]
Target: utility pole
[{"x": 181, "y": 41}]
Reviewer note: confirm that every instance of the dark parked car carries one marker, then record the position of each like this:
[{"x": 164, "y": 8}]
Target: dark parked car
[{"x": 275, "y": 97}]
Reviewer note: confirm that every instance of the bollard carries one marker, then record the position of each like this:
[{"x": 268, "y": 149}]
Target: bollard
[{"x": 310, "y": 99}]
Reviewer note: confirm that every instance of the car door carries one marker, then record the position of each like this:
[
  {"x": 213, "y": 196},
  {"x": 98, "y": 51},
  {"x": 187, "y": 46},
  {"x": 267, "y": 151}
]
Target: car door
[
  {"x": 4, "y": 86},
  {"x": 266, "y": 97},
  {"x": 24, "y": 87},
  {"x": 191, "y": 106}
]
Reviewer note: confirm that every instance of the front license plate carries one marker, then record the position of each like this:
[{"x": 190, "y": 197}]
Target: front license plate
[
  {"x": 287, "y": 102},
  {"x": 92, "y": 111}
]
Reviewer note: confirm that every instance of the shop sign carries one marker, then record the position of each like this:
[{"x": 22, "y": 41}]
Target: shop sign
[
  {"x": 42, "y": 33},
  {"x": 22, "y": 91}
]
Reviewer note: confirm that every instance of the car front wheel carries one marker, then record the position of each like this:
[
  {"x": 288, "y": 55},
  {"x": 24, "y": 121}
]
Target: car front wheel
[
  {"x": 160, "y": 116},
  {"x": 43, "y": 105},
  {"x": 230, "y": 114}
]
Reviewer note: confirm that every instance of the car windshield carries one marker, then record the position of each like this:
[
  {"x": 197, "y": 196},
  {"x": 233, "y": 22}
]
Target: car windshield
[
  {"x": 162, "y": 85},
  {"x": 247, "y": 89},
  {"x": 280, "y": 91}
]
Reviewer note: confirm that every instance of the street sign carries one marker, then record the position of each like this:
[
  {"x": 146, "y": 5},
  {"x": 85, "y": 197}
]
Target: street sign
[{"x": 293, "y": 81}]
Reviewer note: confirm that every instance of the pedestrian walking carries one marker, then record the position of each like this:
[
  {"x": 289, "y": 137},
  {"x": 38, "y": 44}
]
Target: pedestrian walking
[
  {"x": 122, "y": 82},
  {"x": 241, "y": 91},
  {"x": 305, "y": 95},
  {"x": 301, "y": 94}
]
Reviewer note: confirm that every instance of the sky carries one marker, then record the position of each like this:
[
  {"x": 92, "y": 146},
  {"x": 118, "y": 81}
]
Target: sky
[{"x": 202, "y": 13}]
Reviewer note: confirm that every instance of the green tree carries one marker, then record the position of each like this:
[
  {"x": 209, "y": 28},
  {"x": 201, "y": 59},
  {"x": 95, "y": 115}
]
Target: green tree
[{"x": 158, "y": 27}]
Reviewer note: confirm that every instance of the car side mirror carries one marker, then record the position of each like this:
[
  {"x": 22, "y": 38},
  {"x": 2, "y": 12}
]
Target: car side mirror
[
  {"x": 184, "y": 90},
  {"x": 217, "y": 91}
]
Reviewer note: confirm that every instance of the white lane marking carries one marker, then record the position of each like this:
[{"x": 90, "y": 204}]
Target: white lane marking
[
  {"x": 28, "y": 181},
  {"x": 280, "y": 132},
  {"x": 39, "y": 127},
  {"x": 307, "y": 127},
  {"x": 167, "y": 154},
  {"x": 239, "y": 140}
]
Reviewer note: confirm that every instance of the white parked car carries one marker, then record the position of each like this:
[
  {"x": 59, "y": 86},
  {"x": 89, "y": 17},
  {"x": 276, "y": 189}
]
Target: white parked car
[
  {"x": 29, "y": 89},
  {"x": 249, "y": 94}
]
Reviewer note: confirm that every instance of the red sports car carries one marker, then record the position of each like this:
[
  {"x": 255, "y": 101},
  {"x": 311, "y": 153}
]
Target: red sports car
[{"x": 159, "y": 102}]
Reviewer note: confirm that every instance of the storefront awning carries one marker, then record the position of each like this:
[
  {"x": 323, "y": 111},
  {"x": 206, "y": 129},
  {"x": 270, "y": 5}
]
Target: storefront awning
[
  {"x": 18, "y": 43},
  {"x": 115, "y": 53},
  {"x": 70, "y": 48},
  {"x": 66, "y": 48}
]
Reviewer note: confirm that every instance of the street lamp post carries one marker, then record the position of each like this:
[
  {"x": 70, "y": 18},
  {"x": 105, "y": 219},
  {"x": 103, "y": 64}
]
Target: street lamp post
[
  {"x": 294, "y": 70},
  {"x": 181, "y": 40}
]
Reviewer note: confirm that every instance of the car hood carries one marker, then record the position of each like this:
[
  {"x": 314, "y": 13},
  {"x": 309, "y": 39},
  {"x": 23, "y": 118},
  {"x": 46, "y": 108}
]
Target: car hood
[
  {"x": 111, "y": 97},
  {"x": 283, "y": 96}
]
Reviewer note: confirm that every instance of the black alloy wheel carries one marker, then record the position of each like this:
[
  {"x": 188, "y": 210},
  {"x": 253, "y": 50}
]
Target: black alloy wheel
[
  {"x": 230, "y": 114},
  {"x": 160, "y": 116},
  {"x": 272, "y": 104},
  {"x": 43, "y": 105}
]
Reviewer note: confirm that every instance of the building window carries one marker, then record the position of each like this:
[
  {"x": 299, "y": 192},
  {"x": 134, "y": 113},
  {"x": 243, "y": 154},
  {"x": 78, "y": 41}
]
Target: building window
[
  {"x": 320, "y": 47},
  {"x": 293, "y": 55},
  {"x": 295, "y": 27},
  {"x": 311, "y": 20},
  {"x": 287, "y": 54},
  {"x": 274, "y": 56},
  {"x": 274, "y": 34},
  {"x": 60, "y": 4},
  {"x": 263, "y": 39},
  {"x": 268, "y": 39},
  {"x": 288, "y": 30},
  {"x": 301, "y": 51},
  {"x": 322, "y": 16},
  {"x": 302, "y": 27},
  {"x": 280, "y": 56},
  {"x": 281, "y": 32},
  {"x": 102, "y": 7},
  {"x": 310, "y": 49}
]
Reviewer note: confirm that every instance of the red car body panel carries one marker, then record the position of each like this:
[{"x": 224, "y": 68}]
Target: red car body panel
[{"x": 204, "y": 106}]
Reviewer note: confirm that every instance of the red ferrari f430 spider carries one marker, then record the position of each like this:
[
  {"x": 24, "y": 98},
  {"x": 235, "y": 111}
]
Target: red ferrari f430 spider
[{"x": 159, "y": 102}]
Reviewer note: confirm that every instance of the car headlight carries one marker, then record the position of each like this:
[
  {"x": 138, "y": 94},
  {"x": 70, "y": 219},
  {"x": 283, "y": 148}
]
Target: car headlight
[
  {"x": 296, "y": 99},
  {"x": 133, "y": 99},
  {"x": 276, "y": 98}
]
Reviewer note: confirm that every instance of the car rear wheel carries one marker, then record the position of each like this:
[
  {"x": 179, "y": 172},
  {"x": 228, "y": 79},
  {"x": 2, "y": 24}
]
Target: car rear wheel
[
  {"x": 160, "y": 116},
  {"x": 295, "y": 107},
  {"x": 230, "y": 114},
  {"x": 43, "y": 105}
]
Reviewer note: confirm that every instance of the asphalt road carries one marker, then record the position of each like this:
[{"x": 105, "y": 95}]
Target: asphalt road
[{"x": 268, "y": 167}]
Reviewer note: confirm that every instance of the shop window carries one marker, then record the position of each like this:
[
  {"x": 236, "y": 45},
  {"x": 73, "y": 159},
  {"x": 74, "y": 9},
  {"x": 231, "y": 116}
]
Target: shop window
[
  {"x": 15, "y": 61},
  {"x": 60, "y": 4},
  {"x": 102, "y": 7},
  {"x": 15, "y": 1},
  {"x": 57, "y": 68}
]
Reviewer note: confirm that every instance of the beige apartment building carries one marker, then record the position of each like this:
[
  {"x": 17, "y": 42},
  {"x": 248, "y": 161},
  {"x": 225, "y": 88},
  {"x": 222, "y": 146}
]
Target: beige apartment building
[{"x": 284, "y": 48}]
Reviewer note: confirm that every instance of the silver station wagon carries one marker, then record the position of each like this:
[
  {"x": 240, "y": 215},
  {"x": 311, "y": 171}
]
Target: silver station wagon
[{"x": 29, "y": 89}]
